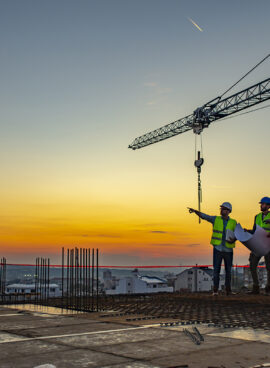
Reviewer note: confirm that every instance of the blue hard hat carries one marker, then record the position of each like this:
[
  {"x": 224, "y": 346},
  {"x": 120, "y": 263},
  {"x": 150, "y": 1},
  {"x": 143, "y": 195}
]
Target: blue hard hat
[{"x": 265, "y": 200}]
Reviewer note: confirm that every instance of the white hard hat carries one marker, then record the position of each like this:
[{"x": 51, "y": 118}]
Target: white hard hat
[{"x": 227, "y": 205}]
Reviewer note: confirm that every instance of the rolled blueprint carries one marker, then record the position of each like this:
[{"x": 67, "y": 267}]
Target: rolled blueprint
[
  {"x": 258, "y": 243},
  {"x": 230, "y": 237}
]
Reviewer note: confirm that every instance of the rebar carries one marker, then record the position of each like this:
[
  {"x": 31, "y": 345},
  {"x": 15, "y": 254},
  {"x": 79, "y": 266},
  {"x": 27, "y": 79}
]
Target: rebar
[
  {"x": 80, "y": 289},
  {"x": 235, "y": 311},
  {"x": 41, "y": 292},
  {"x": 3, "y": 275},
  {"x": 92, "y": 279}
]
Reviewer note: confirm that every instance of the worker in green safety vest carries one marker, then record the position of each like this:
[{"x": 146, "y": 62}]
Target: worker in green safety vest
[
  {"x": 262, "y": 220},
  {"x": 223, "y": 247}
]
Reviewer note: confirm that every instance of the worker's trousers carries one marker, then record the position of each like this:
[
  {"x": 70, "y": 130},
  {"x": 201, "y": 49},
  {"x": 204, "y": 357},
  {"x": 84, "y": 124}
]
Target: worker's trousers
[
  {"x": 217, "y": 260},
  {"x": 253, "y": 263}
]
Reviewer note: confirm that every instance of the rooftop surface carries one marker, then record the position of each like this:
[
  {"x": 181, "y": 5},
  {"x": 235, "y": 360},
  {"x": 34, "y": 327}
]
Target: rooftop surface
[{"x": 31, "y": 336}]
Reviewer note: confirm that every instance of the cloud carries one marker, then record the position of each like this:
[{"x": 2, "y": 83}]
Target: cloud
[
  {"x": 150, "y": 84},
  {"x": 95, "y": 235},
  {"x": 164, "y": 90},
  {"x": 158, "y": 232},
  {"x": 109, "y": 235},
  {"x": 164, "y": 245},
  {"x": 156, "y": 93},
  {"x": 193, "y": 245},
  {"x": 154, "y": 224}
]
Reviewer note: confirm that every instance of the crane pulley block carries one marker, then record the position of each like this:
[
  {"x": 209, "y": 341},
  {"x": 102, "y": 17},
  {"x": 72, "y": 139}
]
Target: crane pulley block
[{"x": 199, "y": 162}]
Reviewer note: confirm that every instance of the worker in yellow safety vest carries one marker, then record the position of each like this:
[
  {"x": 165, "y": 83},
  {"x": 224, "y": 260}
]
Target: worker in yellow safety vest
[
  {"x": 223, "y": 246},
  {"x": 262, "y": 220}
]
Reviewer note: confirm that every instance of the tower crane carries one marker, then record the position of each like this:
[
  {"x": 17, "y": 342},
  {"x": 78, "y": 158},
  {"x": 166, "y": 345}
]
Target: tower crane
[{"x": 203, "y": 116}]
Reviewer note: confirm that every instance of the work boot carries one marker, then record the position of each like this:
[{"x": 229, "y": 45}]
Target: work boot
[
  {"x": 255, "y": 290},
  {"x": 228, "y": 291},
  {"x": 215, "y": 291}
]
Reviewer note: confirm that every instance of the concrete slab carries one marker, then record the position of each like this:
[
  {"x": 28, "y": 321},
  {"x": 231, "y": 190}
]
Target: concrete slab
[
  {"x": 87, "y": 341},
  {"x": 17, "y": 350},
  {"x": 238, "y": 355},
  {"x": 164, "y": 347},
  {"x": 245, "y": 334},
  {"x": 9, "y": 315},
  {"x": 7, "y": 337},
  {"x": 33, "y": 321},
  {"x": 38, "y": 331},
  {"x": 132, "y": 365},
  {"x": 116, "y": 338},
  {"x": 66, "y": 359}
]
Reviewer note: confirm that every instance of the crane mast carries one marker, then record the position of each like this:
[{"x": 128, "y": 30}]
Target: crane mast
[{"x": 203, "y": 116}]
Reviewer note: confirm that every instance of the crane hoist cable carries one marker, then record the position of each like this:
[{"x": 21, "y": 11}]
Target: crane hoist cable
[
  {"x": 199, "y": 160},
  {"x": 245, "y": 75}
]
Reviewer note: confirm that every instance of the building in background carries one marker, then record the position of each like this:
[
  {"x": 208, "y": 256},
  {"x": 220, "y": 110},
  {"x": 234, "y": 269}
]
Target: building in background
[
  {"x": 109, "y": 280},
  {"x": 196, "y": 279},
  {"x": 137, "y": 284},
  {"x": 170, "y": 277},
  {"x": 54, "y": 289}
]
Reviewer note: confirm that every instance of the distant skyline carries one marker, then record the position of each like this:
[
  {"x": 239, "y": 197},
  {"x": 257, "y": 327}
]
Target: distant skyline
[{"x": 80, "y": 80}]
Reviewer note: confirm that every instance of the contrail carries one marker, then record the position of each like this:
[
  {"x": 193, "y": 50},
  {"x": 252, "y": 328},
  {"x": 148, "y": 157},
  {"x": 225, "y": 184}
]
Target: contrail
[{"x": 195, "y": 24}]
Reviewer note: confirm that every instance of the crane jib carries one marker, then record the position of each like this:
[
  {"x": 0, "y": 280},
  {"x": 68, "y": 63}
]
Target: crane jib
[{"x": 211, "y": 111}]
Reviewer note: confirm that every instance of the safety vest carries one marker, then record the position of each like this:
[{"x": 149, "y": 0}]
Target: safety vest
[
  {"x": 218, "y": 231},
  {"x": 260, "y": 221}
]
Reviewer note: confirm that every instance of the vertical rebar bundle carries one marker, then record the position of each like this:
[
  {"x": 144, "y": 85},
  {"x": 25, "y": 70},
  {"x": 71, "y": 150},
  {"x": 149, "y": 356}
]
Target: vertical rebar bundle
[
  {"x": 42, "y": 280},
  {"x": 3, "y": 275},
  {"x": 80, "y": 288}
]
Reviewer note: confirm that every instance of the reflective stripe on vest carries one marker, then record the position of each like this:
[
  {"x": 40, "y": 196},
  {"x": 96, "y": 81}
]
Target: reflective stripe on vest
[
  {"x": 218, "y": 231},
  {"x": 260, "y": 221}
]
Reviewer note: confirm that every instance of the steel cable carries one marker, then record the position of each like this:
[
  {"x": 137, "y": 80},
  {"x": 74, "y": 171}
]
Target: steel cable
[{"x": 251, "y": 70}]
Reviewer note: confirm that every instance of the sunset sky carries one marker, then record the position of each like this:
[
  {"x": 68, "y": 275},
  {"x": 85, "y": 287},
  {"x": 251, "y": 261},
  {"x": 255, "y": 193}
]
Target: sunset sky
[{"x": 80, "y": 80}]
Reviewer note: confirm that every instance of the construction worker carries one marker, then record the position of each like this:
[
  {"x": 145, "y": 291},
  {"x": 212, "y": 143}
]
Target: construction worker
[
  {"x": 263, "y": 220},
  {"x": 223, "y": 249}
]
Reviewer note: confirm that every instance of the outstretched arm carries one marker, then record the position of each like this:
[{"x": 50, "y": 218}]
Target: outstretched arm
[
  {"x": 202, "y": 215},
  {"x": 198, "y": 213}
]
